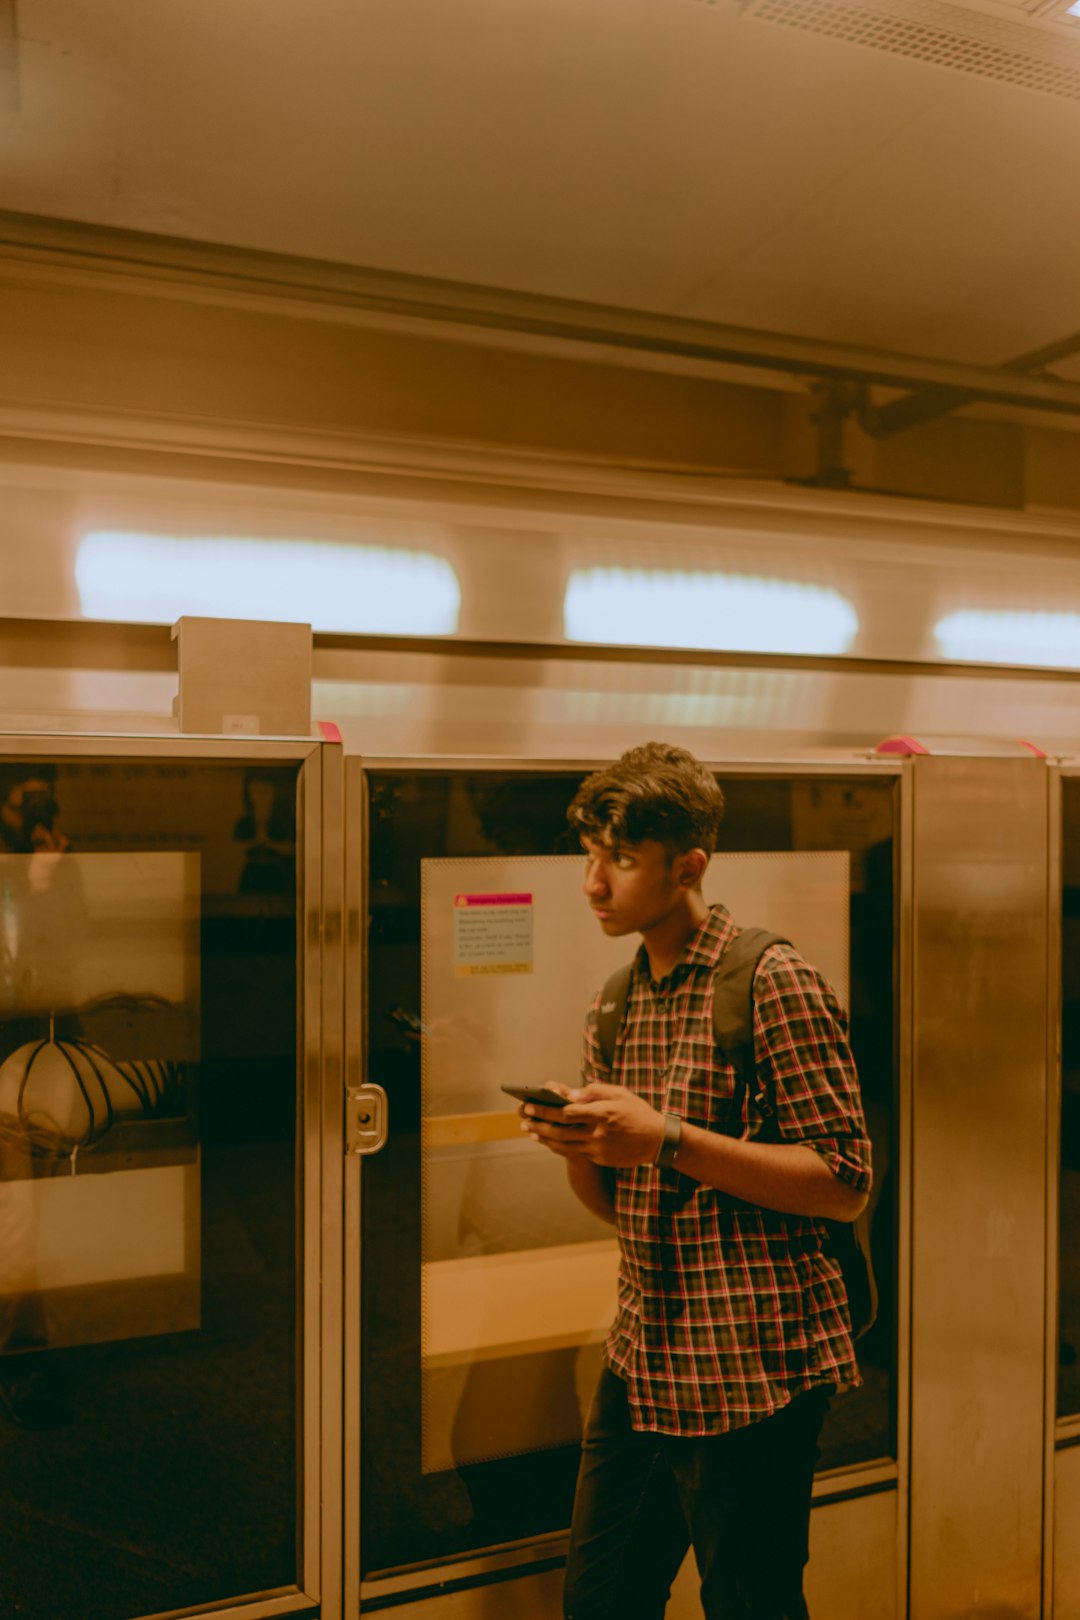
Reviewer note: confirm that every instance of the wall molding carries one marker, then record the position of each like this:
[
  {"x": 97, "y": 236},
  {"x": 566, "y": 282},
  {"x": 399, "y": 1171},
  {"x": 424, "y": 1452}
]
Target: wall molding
[{"x": 313, "y": 288}]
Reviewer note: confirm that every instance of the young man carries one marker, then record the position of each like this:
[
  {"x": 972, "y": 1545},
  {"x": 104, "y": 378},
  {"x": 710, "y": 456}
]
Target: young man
[{"x": 732, "y": 1324}]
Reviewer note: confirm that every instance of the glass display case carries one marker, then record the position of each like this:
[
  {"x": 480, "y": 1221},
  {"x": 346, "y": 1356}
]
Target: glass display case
[
  {"x": 486, "y": 1288},
  {"x": 159, "y": 1313},
  {"x": 1068, "y": 1348}
]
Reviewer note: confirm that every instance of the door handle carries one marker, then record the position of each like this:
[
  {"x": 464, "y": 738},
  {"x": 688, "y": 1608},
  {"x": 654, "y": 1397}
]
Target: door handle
[{"x": 367, "y": 1119}]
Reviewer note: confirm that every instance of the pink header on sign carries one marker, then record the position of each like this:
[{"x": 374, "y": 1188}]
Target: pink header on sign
[{"x": 493, "y": 899}]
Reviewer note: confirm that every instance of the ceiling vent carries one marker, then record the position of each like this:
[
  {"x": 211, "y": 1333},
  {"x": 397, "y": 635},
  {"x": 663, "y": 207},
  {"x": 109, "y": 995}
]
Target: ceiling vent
[{"x": 1026, "y": 53}]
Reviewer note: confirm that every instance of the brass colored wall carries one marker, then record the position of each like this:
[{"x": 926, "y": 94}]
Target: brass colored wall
[
  {"x": 281, "y": 379},
  {"x": 118, "y": 355}
]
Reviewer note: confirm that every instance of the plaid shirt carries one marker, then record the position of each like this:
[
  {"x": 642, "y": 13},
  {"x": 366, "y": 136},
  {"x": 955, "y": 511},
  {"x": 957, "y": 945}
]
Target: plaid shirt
[{"x": 727, "y": 1310}]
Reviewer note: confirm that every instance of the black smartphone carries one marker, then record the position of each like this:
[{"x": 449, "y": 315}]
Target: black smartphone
[{"x": 537, "y": 1094}]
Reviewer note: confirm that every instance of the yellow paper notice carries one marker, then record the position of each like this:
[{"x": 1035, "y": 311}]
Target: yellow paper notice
[{"x": 493, "y": 933}]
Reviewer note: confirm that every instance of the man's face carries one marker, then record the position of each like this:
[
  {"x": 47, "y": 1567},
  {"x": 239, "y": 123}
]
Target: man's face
[
  {"x": 28, "y": 805},
  {"x": 631, "y": 887}
]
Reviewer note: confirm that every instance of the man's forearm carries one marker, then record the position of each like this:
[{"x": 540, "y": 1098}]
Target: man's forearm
[
  {"x": 595, "y": 1186},
  {"x": 786, "y": 1176},
  {"x": 612, "y": 1127}
]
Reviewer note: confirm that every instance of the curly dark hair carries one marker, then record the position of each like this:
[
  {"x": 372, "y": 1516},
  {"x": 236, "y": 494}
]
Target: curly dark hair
[
  {"x": 655, "y": 791},
  {"x": 14, "y": 772}
]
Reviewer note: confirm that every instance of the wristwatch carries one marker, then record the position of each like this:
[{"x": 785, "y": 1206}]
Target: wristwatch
[{"x": 669, "y": 1145}]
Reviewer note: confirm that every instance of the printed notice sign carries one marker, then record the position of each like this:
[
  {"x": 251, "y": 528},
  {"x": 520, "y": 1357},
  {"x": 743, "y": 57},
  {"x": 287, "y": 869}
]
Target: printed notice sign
[{"x": 493, "y": 933}]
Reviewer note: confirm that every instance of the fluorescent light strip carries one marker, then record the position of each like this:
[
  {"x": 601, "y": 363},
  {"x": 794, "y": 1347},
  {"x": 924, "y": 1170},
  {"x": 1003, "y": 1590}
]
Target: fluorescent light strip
[
  {"x": 1048, "y": 639},
  {"x": 155, "y": 579},
  {"x": 653, "y": 608}
]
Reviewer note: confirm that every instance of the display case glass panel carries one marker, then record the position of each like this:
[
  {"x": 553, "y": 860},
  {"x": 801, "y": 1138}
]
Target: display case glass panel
[
  {"x": 487, "y": 1288},
  {"x": 1068, "y": 1387},
  {"x": 148, "y": 1183}
]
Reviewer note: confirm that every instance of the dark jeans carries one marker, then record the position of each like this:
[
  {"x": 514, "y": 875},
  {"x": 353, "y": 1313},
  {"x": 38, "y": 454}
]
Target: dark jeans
[{"x": 742, "y": 1499}]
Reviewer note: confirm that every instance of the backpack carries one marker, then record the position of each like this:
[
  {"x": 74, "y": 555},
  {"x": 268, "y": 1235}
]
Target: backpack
[{"x": 733, "y": 1027}]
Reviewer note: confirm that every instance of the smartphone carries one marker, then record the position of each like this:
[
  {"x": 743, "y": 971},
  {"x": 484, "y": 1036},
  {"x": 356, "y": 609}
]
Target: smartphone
[{"x": 537, "y": 1094}]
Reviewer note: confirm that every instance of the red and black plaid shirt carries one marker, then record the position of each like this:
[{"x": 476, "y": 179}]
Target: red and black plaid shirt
[{"x": 727, "y": 1310}]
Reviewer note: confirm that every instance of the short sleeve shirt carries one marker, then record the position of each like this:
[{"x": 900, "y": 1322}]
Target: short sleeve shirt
[{"x": 727, "y": 1310}]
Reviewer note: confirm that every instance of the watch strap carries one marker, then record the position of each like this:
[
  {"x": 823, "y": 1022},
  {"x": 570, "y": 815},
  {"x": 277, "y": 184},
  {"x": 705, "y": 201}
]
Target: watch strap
[{"x": 669, "y": 1145}]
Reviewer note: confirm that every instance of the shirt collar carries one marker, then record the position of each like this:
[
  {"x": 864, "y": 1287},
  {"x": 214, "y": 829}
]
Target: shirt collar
[{"x": 703, "y": 949}]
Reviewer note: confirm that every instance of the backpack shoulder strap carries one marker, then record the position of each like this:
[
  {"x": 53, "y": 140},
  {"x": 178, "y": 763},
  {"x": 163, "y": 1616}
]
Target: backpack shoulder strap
[
  {"x": 733, "y": 989},
  {"x": 733, "y": 1027},
  {"x": 733, "y": 995},
  {"x": 612, "y": 1010}
]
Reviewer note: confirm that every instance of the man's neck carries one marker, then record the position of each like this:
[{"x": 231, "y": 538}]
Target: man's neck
[{"x": 665, "y": 943}]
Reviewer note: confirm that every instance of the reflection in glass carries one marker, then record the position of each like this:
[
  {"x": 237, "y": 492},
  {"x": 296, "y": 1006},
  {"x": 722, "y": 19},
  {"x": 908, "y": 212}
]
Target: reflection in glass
[
  {"x": 157, "y": 578},
  {"x": 673, "y": 608},
  {"x": 148, "y": 1380},
  {"x": 97, "y": 1100},
  {"x": 518, "y": 1279},
  {"x": 490, "y": 1350},
  {"x": 1068, "y": 1392},
  {"x": 1048, "y": 638}
]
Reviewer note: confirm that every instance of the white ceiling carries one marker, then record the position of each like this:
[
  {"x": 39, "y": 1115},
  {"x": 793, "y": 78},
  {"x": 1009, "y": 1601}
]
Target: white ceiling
[{"x": 670, "y": 155}]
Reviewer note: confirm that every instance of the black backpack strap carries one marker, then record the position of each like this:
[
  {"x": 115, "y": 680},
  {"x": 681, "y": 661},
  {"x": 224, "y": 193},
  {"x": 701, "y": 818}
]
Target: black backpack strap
[
  {"x": 733, "y": 989},
  {"x": 612, "y": 1010},
  {"x": 733, "y": 1001},
  {"x": 733, "y": 1020},
  {"x": 733, "y": 1025}
]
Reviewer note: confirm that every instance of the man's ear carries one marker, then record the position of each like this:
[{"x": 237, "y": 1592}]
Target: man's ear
[{"x": 691, "y": 868}]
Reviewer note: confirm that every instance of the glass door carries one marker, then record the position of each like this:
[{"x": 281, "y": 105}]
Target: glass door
[
  {"x": 1063, "y": 1441},
  {"x": 158, "y": 1330},
  {"x": 486, "y": 1289}
]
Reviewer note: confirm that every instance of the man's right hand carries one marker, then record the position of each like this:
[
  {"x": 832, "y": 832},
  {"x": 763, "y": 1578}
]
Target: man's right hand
[
  {"x": 549, "y": 1126},
  {"x": 591, "y": 1183}
]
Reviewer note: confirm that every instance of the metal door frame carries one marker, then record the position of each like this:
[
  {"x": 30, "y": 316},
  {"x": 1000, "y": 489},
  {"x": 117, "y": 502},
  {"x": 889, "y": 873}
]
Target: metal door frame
[
  {"x": 1059, "y": 1432},
  {"x": 319, "y": 1121},
  {"x": 838, "y": 1485},
  {"x": 981, "y": 1103}
]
